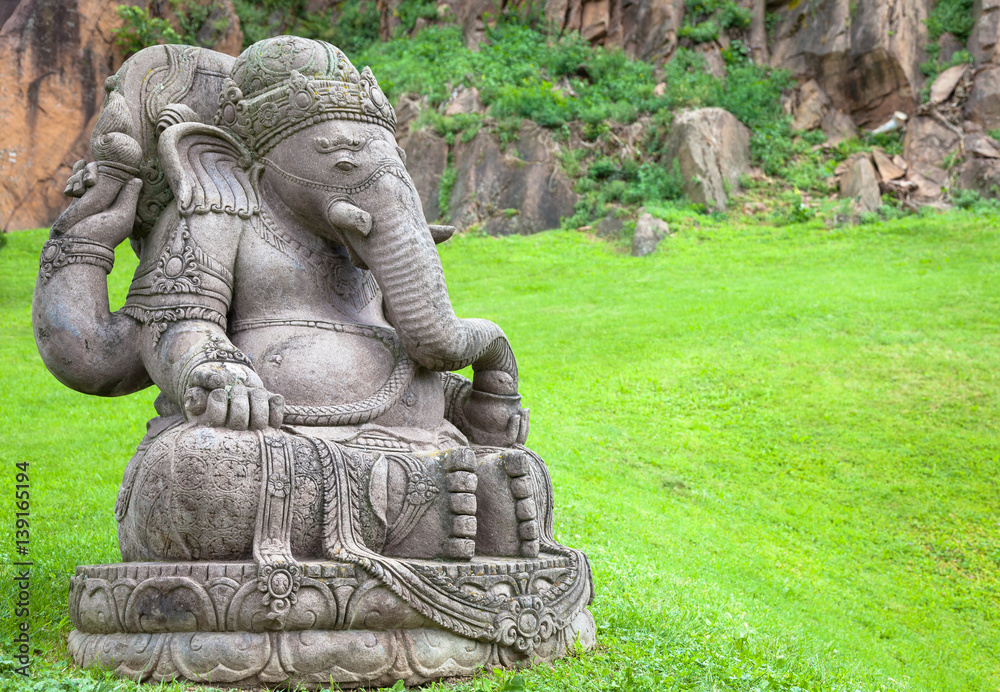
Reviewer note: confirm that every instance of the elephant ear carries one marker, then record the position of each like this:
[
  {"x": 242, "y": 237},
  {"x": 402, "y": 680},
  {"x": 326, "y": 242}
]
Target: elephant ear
[{"x": 209, "y": 170}]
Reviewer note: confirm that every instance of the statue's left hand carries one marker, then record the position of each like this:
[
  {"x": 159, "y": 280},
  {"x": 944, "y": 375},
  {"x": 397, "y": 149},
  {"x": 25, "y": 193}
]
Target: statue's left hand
[
  {"x": 230, "y": 395},
  {"x": 494, "y": 419},
  {"x": 104, "y": 210}
]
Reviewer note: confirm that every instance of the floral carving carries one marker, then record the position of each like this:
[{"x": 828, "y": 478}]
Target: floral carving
[
  {"x": 177, "y": 268},
  {"x": 525, "y": 624}
]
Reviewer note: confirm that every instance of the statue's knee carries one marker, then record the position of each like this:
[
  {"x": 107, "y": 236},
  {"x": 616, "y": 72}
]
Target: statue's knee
[{"x": 191, "y": 494}]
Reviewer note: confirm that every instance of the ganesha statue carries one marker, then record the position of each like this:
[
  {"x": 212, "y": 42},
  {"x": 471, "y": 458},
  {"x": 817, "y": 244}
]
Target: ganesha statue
[{"x": 321, "y": 498}]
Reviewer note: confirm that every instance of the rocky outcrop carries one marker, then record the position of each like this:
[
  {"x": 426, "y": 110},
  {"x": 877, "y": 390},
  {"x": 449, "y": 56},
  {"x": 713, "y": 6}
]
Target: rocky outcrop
[
  {"x": 813, "y": 109},
  {"x": 865, "y": 54},
  {"x": 520, "y": 190},
  {"x": 983, "y": 106},
  {"x": 981, "y": 169},
  {"x": 926, "y": 144},
  {"x": 712, "y": 149},
  {"x": 56, "y": 54},
  {"x": 645, "y": 29},
  {"x": 426, "y": 161}
]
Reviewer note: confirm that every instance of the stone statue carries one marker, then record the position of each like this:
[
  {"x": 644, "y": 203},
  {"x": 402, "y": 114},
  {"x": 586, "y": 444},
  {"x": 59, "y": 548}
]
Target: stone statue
[{"x": 320, "y": 498}]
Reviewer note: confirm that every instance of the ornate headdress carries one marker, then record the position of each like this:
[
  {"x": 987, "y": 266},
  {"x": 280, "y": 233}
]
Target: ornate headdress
[{"x": 281, "y": 85}]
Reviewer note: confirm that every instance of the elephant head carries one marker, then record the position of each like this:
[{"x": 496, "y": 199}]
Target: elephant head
[{"x": 302, "y": 133}]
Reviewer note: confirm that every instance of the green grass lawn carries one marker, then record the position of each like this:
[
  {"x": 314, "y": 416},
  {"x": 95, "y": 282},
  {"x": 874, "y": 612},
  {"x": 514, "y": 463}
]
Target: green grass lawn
[{"x": 779, "y": 447}]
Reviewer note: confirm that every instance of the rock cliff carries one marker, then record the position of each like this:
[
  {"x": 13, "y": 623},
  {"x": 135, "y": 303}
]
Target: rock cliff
[{"x": 858, "y": 65}]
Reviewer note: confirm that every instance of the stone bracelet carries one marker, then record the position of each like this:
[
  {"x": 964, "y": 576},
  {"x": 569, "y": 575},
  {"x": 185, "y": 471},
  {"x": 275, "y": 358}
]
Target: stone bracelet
[{"x": 60, "y": 252}]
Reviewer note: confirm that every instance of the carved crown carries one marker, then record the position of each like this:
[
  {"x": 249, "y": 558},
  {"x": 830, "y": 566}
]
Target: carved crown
[{"x": 284, "y": 84}]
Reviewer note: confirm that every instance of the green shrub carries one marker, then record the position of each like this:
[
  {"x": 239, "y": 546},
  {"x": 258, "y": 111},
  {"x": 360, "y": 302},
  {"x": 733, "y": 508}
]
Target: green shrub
[
  {"x": 452, "y": 128},
  {"x": 703, "y": 32},
  {"x": 951, "y": 16},
  {"x": 732, "y": 16},
  {"x": 445, "y": 186},
  {"x": 352, "y": 25},
  {"x": 657, "y": 183},
  {"x": 705, "y": 18},
  {"x": 140, "y": 30},
  {"x": 409, "y": 11}
]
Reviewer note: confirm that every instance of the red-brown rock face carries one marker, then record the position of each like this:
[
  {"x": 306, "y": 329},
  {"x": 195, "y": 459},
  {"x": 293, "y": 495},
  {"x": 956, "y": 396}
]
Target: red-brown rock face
[
  {"x": 56, "y": 55},
  {"x": 866, "y": 55}
]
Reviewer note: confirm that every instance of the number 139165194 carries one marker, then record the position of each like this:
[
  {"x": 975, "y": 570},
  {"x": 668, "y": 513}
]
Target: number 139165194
[{"x": 22, "y": 509}]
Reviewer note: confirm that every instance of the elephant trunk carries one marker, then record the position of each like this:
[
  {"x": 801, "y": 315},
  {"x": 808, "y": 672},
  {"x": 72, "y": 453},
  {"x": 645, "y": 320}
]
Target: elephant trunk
[{"x": 401, "y": 254}]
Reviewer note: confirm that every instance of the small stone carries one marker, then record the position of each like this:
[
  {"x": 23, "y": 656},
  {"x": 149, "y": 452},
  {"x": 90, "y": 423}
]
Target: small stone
[
  {"x": 946, "y": 82},
  {"x": 649, "y": 231},
  {"x": 886, "y": 168},
  {"x": 464, "y": 101}
]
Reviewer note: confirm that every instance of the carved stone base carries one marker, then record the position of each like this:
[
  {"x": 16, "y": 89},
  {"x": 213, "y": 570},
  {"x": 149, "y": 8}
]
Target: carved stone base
[{"x": 207, "y": 622}]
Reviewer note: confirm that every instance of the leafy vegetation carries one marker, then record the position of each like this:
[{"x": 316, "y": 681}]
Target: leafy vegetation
[
  {"x": 948, "y": 16},
  {"x": 351, "y": 26},
  {"x": 587, "y": 94},
  {"x": 140, "y": 30},
  {"x": 778, "y": 445},
  {"x": 705, "y": 18},
  {"x": 951, "y": 16}
]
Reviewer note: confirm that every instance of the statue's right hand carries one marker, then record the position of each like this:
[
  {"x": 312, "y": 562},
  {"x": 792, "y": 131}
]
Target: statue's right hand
[
  {"x": 104, "y": 210},
  {"x": 230, "y": 395}
]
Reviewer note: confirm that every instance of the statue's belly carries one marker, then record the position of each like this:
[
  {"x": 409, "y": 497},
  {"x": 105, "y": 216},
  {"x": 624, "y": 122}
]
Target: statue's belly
[{"x": 327, "y": 364}]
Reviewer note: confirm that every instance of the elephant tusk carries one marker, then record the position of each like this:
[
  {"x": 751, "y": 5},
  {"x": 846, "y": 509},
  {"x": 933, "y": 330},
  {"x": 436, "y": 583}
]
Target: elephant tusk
[
  {"x": 347, "y": 217},
  {"x": 441, "y": 233}
]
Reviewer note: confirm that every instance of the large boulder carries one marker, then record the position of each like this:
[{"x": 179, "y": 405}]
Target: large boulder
[
  {"x": 983, "y": 106},
  {"x": 926, "y": 144},
  {"x": 812, "y": 109},
  {"x": 981, "y": 175},
  {"x": 520, "y": 190},
  {"x": 864, "y": 54},
  {"x": 426, "y": 161},
  {"x": 981, "y": 169},
  {"x": 712, "y": 149},
  {"x": 55, "y": 55}
]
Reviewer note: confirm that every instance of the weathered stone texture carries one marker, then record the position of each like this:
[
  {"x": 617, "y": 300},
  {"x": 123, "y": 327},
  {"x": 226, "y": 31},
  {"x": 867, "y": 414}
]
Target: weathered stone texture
[
  {"x": 649, "y": 231},
  {"x": 56, "y": 54},
  {"x": 426, "y": 160},
  {"x": 859, "y": 183},
  {"x": 866, "y": 56},
  {"x": 520, "y": 190},
  {"x": 712, "y": 148}
]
